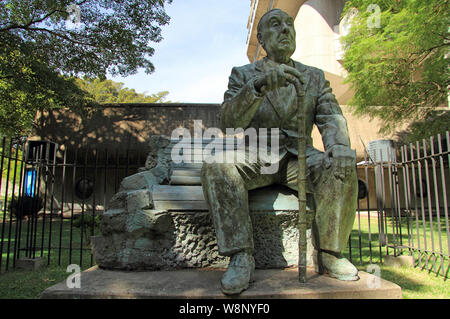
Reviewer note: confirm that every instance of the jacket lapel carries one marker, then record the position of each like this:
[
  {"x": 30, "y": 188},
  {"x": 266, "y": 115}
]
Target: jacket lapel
[{"x": 292, "y": 108}]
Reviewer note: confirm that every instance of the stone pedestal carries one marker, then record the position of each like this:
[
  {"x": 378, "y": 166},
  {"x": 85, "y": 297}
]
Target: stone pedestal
[
  {"x": 161, "y": 240},
  {"x": 205, "y": 283}
]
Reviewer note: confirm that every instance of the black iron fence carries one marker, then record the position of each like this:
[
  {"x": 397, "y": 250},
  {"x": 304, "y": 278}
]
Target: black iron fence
[
  {"x": 51, "y": 199},
  {"x": 426, "y": 171},
  {"x": 405, "y": 212}
]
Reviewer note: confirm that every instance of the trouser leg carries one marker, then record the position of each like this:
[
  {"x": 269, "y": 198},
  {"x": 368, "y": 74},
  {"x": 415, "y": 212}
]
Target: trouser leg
[
  {"x": 335, "y": 210},
  {"x": 335, "y": 203},
  {"x": 225, "y": 187}
]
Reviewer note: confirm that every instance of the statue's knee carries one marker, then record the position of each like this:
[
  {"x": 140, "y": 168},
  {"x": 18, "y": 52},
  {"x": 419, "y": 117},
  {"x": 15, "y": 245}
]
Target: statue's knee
[
  {"x": 344, "y": 164},
  {"x": 217, "y": 169},
  {"x": 207, "y": 169},
  {"x": 341, "y": 162},
  {"x": 214, "y": 169}
]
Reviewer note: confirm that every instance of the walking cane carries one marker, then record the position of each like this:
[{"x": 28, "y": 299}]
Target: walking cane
[
  {"x": 301, "y": 181},
  {"x": 301, "y": 178}
]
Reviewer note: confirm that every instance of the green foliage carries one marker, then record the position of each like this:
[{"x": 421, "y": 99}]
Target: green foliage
[
  {"x": 108, "y": 91},
  {"x": 399, "y": 71},
  {"x": 113, "y": 36},
  {"x": 86, "y": 220},
  {"x": 437, "y": 122},
  {"x": 41, "y": 53},
  {"x": 9, "y": 158},
  {"x": 27, "y": 84}
]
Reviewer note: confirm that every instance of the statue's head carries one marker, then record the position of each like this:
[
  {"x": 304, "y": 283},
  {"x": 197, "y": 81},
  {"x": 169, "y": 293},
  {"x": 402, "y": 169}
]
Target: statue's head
[{"x": 276, "y": 34}]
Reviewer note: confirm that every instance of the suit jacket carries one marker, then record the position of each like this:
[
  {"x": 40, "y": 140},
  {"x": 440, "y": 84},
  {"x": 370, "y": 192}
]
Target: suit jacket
[{"x": 243, "y": 107}]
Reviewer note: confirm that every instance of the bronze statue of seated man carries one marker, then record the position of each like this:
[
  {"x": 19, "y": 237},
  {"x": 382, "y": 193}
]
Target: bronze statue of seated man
[{"x": 262, "y": 95}]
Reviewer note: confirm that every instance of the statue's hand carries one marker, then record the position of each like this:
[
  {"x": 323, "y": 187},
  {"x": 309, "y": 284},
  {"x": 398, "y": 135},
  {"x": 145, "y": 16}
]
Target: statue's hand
[
  {"x": 341, "y": 159},
  {"x": 278, "y": 77}
]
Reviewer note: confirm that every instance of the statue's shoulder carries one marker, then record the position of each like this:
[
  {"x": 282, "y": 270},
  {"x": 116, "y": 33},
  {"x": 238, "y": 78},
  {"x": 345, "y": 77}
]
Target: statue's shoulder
[
  {"x": 307, "y": 68},
  {"x": 243, "y": 73},
  {"x": 247, "y": 68}
]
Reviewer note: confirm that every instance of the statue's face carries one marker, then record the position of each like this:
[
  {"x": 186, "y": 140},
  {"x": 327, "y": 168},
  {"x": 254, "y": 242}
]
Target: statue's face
[{"x": 277, "y": 36}]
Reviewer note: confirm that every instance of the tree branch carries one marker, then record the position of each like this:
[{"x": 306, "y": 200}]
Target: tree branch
[
  {"x": 26, "y": 26},
  {"x": 429, "y": 50},
  {"x": 59, "y": 35},
  {"x": 45, "y": 17}
]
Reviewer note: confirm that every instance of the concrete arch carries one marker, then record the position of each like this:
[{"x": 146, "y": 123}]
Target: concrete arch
[
  {"x": 328, "y": 11},
  {"x": 317, "y": 28}
]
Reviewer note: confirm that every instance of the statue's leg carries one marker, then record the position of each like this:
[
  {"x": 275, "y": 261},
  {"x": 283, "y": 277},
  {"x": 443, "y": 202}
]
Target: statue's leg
[
  {"x": 336, "y": 202},
  {"x": 226, "y": 187},
  {"x": 335, "y": 207}
]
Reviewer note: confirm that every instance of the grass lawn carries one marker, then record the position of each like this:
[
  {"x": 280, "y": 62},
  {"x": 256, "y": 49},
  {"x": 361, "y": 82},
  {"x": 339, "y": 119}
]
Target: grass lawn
[
  {"x": 365, "y": 247},
  {"x": 416, "y": 283},
  {"x": 62, "y": 245},
  {"x": 18, "y": 284},
  {"x": 21, "y": 284}
]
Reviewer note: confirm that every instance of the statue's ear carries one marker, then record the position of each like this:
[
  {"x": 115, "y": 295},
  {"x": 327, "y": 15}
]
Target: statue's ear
[{"x": 260, "y": 39}]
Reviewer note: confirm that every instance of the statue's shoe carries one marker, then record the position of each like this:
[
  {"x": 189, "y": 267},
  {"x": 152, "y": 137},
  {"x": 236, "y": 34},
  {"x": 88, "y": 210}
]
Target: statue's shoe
[
  {"x": 239, "y": 274},
  {"x": 336, "y": 266}
]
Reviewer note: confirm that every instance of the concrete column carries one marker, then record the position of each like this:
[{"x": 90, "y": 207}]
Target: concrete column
[{"x": 314, "y": 25}]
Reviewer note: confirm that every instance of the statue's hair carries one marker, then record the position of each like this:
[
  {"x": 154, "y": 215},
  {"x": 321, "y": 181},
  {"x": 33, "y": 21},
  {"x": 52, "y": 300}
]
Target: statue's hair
[{"x": 264, "y": 16}]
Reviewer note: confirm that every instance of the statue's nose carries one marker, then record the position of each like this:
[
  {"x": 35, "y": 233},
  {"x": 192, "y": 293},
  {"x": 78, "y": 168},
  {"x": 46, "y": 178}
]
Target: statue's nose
[{"x": 285, "y": 28}]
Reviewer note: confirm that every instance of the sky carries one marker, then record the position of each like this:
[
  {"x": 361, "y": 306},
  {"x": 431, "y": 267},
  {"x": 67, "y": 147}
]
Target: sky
[{"x": 201, "y": 44}]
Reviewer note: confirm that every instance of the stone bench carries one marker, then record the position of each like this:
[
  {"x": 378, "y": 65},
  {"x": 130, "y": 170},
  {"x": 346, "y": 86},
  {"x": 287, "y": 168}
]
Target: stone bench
[{"x": 159, "y": 219}]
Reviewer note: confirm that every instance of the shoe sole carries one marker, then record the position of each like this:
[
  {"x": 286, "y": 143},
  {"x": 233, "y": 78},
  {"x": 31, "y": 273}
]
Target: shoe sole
[
  {"x": 236, "y": 291},
  {"x": 321, "y": 270},
  {"x": 239, "y": 290},
  {"x": 344, "y": 277}
]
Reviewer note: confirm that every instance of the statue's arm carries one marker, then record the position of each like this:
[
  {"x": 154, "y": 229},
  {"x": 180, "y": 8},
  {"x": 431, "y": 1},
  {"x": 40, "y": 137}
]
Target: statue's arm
[
  {"x": 241, "y": 100},
  {"x": 329, "y": 118}
]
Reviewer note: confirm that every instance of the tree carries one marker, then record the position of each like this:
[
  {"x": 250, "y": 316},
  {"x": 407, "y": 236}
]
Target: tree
[
  {"x": 397, "y": 60},
  {"x": 44, "y": 44},
  {"x": 108, "y": 91}
]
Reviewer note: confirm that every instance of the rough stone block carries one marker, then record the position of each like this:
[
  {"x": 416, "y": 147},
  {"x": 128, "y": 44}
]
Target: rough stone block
[
  {"x": 138, "y": 181},
  {"x": 30, "y": 263},
  {"x": 155, "y": 240},
  {"x": 118, "y": 201},
  {"x": 398, "y": 261},
  {"x": 113, "y": 220},
  {"x": 138, "y": 200},
  {"x": 148, "y": 220}
]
